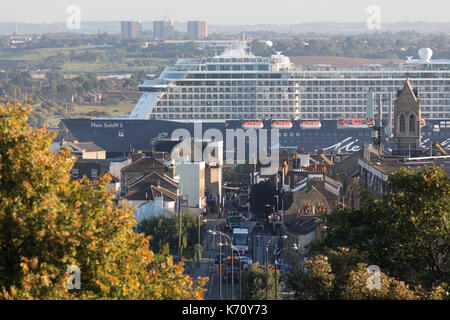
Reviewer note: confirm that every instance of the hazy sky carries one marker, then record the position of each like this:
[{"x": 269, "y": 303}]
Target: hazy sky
[{"x": 226, "y": 11}]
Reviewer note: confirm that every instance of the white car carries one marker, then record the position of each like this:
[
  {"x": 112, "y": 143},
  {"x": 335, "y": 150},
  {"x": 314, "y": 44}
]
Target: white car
[{"x": 246, "y": 262}]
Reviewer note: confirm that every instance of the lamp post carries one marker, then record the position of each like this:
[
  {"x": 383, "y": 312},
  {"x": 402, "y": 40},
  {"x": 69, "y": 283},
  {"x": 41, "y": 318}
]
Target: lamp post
[
  {"x": 220, "y": 262},
  {"x": 276, "y": 264},
  {"x": 199, "y": 240},
  {"x": 267, "y": 265},
  {"x": 277, "y": 204},
  {"x": 270, "y": 207},
  {"x": 267, "y": 273},
  {"x": 239, "y": 255},
  {"x": 232, "y": 261}
]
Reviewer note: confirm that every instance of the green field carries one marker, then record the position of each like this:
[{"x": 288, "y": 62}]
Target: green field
[
  {"x": 130, "y": 64},
  {"x": 84, "y": 110},
  {"x": 33, "y": 55},
  {"x": 120, "y": 108}
]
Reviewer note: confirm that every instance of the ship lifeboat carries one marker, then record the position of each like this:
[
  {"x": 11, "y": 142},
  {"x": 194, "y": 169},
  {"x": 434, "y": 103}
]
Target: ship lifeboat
[
  {"x": 282, "y": 124},
  {"x": 315, "y": 124},
  {"x": 422, "y": 122},
  {"x": 352, "y": 123},
  {"x": 252, "y": 125}
]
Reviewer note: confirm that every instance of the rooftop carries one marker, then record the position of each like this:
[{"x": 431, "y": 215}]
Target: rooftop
[{"x": 387, "y": 165}]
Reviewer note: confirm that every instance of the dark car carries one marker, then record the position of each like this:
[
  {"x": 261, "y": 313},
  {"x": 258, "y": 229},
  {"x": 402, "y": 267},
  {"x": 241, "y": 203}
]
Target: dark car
[
  {"x": 216, "y": 260},
  {"x": 227, "y": 276}
]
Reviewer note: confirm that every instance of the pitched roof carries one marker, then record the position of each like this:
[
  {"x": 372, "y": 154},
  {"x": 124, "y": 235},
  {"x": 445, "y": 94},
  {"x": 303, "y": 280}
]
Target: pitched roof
[
  {"x": 145, "y": 177},
  {"x": 143, "y": 164},
  {"x": 113, "y": 178},
  {"x": 304, "y": 225},
  {"x": 408, "y": 91},
  {"x": 348, "y": 166},
  {"x": 84, "y": 146},
  {"x": 166, "y": 193},
  {"x": 140, "y": 194}
]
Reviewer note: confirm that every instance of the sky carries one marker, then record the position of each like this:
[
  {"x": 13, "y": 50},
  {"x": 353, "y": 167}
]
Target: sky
[{"x": 228, "y": 12}]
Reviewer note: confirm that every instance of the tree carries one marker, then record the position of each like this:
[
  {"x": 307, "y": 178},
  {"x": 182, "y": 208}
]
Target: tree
[
  {"x": 317, "y": 283},
  {"x": 261, "y": 194},
  {"x": 406, "y": 234},
  {"x": 164, "y": 232},
  {"x": 254, "y": 283},
  {"x": 339, "y": 275},
  {"x": 48, "y": 223},
  {"x": 419, "y": 204}
]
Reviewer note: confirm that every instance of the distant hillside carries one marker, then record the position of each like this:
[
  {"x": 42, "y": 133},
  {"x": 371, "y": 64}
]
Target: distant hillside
[{"x": 317, "y": 27}]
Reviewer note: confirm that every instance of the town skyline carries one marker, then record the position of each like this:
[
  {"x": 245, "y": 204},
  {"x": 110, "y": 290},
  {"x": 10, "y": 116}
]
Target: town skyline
[{"x": 234, "y": 12}]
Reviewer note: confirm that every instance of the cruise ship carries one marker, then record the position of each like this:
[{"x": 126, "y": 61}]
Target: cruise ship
[{"x": 319, "y": 106}]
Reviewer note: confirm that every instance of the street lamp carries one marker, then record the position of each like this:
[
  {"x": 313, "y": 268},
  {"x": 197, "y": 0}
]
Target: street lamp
[
  {"x": 267, "y": 265},
  {"x": 232, "y": 260},
  {"x": 239, "y": 254},
  {"x": 270, "y": 207},
  {"x": 277, "y": 204},
  {"x": 276, "y": 264},
  {"x": 220, "y": 265},
  {"x": 199, "y": 240}
]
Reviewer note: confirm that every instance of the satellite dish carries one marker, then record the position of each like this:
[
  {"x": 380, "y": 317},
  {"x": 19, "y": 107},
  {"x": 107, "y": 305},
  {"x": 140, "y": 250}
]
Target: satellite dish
[
  {"x": 425, "y": 54},
  {"x": 269, "y": 43}
]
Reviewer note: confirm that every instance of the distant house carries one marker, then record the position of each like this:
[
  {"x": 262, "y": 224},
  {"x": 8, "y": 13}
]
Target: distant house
[
  {"x": 301, "y": 233},
  {"x": 91, "y": 97},
  {"x": 84, "y": 150},
  {"x": 312, "y": 200},
  {"x": 90, "y": 168},
  {"x": 94, "y": 168},
  {"x": 141, "y": 168},
  {"x": 114, "y": 184},
  {"x": 140, "y": 184},
  {"x": 153, "y": 200}
]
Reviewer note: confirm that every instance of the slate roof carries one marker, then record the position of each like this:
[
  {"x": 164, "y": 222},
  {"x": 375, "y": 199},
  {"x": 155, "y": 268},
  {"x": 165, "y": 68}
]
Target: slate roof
[
  {"x": 304, "y": 225},
  {"x": 143, "y": 165},
  {"x": 85, "y": 146}
]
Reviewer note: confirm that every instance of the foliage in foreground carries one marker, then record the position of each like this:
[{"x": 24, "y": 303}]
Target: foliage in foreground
[
  {"x": 406, "y": 235},
  {"x": 48, "y": 223}
]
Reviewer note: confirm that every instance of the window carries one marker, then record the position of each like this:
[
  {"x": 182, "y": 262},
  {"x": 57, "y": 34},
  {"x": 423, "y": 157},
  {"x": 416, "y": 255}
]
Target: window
[
  {"x": 74, "y": 173},
  {"x": 412, "y": 126},
  {"x": 402, "y": 123},
  {"x": 93, "y": 173}
]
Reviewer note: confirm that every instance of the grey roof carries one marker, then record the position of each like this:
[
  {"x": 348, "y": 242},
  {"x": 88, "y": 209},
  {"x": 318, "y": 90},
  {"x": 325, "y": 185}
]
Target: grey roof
[
  {"x": 85, "y": 146},
  {"x": 304, "y": 225}
]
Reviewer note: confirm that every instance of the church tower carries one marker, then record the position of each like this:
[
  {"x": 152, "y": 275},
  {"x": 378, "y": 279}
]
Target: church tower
[{"x": 407, "y": 132}]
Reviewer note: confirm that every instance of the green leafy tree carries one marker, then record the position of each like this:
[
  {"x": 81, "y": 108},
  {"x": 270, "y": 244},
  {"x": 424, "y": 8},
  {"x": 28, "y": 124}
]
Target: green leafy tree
[
  {"x": 254, "y": 283},
  {"x": 48, "y": 223},
  {"x": 406, "y": 234},
  {"x": 339, "y": 275},
  {"x": 164, "y": 233},
  {"x": 261, "y": 194}
]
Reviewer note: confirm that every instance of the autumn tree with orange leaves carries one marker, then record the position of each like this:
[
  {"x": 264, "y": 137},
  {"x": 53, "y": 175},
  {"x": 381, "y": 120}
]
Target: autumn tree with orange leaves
[{"x": 48, "y": 223}]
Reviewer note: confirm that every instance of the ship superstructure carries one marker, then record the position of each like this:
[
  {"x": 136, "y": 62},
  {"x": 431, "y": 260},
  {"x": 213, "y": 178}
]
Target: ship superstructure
[
  {"x": 316, "y": 106},
  {"x": 237, "y": 85}
]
